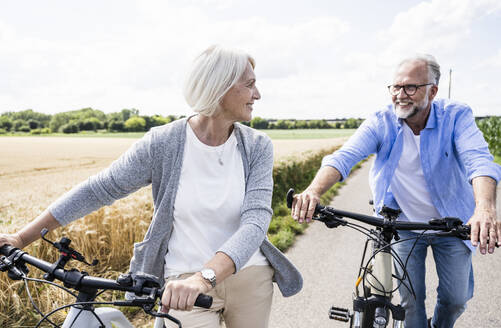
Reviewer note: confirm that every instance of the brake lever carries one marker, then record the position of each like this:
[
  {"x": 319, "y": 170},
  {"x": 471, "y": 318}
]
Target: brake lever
[{"x": 330, "y": 220}]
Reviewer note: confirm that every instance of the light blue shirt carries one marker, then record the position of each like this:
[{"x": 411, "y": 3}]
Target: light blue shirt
[{"x": 453, "y": 152}]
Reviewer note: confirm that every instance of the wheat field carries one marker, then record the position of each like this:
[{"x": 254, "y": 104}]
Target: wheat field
[{"x": 35, "y": 171}]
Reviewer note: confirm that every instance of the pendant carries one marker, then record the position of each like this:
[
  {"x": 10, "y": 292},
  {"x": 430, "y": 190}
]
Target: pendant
[{"x": 220, "y": 161}]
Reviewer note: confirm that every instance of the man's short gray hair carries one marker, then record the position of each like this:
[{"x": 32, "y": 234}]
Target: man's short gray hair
[
  {"x": 431, "y": 64},
  {"x": 213, "y": 73}
]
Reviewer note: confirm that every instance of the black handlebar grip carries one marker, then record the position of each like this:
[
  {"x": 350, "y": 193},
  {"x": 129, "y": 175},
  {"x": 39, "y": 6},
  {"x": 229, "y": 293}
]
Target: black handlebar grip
[
  {"x": 290, "y": 197},
  {"x": 204, "y": 301},
  {"x": 6, "y": 250}
]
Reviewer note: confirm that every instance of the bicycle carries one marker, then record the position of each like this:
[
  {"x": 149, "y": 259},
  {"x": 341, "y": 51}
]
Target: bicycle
[
  {"x": 83, "y": 313},
  {"x": 372, "y": 306}
]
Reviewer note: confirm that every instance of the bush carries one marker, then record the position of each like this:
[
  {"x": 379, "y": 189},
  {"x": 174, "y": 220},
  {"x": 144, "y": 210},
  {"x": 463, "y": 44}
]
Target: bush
[
  {"x": 298, "y": 175},
  {"x": 259, "y": 123},
  {"x": 17, "y": 124},
  {"x": 157, "y": 120},
  {"x": 491, "y": 128},
  {"x": 36, "y": 131},
  {"x": 69, "y": 128},
  {"x": 90, "y": 124},
  {"x": 135, "y": 124},
  {"x": 45, "y": 131},
  {"x": 116, "y": 126},
  {"x": 24, "y": 128},
  {"x": 3, "y": 131}
]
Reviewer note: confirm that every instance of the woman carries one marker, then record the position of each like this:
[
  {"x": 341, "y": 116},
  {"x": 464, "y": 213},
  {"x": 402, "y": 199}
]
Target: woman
[{"x": 212, "y": 185}]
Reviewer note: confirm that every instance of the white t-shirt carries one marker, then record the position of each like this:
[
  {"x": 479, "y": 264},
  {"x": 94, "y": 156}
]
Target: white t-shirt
[
  {"x": 207, "y": 206},
  {"x": 408, "y": 184}
]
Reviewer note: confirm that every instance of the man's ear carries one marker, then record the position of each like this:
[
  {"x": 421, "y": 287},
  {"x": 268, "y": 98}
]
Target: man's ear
[{"x": 433, "y": 91}]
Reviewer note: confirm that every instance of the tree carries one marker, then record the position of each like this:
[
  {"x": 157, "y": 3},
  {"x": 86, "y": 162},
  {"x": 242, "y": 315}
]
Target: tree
[
  {"x": 281, "y": 124},
  {"x": 90, "y": 124},
  {"x": 301, "y": 124},
  {"x": 351, "y": 123},
  {"x": 135, "y": 124},
  {"x": 17, "y": 124},
  {"x": 77, "y": 116},
  {"x": 33, "y": 124},
  {"x": 259, "y": 123},
  {"x": 29, "y": 114},
  {"x": 319, "y": 124},
  {"x": 117, "y": 126},
  {"x": 69, "y": 128},
  {"x": 158, "y": 120},
  {"x": 128, "y": 113},
  {"x": 5, "y": 123}
]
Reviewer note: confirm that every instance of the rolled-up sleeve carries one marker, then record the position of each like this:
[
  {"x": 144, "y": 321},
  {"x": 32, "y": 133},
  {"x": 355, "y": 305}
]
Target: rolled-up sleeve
[
  {"x": 472, "y": 148},
  {"x": 360, "y": 145},
  {"x": 256, "y": 209}
]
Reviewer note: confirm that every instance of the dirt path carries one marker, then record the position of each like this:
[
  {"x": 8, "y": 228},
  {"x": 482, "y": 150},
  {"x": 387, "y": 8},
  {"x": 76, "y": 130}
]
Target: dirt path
[{"x": 329, "y": 260}]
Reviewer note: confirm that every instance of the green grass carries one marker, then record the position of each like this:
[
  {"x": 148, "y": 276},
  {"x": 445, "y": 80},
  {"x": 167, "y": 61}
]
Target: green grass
[
  {"x": 309, "y": 133},
  {"x": 497, "y": 159}
]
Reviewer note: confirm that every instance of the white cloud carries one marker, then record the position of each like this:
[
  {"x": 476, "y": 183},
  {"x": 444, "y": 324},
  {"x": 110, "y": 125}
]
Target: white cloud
[
  {"x": 436, "y": 27},
  {"x": 491, "y": 62},
  {"x": 316, "y": 65}
]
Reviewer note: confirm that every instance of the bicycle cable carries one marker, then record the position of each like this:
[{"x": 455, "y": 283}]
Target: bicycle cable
[{"x": 70, "y": 305}]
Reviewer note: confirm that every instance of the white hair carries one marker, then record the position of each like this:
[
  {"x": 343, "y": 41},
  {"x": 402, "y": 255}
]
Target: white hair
[
  {"x": 431, "y": 64},
  {"x": 213, "y": 73}
]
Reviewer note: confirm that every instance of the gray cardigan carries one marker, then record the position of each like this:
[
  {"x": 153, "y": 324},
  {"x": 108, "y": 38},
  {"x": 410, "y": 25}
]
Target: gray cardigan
[{"x": 157, "y": 158}]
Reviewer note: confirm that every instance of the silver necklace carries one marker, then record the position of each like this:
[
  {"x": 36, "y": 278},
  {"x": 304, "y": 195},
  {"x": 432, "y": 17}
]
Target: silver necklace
[{"x": 220, "y": 155}]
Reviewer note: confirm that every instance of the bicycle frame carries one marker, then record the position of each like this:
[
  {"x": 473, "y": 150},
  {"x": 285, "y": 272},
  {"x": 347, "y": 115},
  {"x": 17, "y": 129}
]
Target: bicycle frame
[
  {"x": 372, "y": 308},
  {"x": 110, "y": 317}
]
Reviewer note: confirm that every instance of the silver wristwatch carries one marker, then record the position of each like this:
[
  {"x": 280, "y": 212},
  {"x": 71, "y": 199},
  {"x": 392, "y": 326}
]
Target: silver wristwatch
[{"x": 209, "y": 275}]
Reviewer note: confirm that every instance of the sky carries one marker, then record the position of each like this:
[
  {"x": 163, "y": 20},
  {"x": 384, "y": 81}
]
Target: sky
[{"x": 314, "y": 59}]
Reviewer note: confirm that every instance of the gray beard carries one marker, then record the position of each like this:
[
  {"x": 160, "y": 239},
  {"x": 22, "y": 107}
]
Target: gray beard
[{"x": 407, "y": 114}]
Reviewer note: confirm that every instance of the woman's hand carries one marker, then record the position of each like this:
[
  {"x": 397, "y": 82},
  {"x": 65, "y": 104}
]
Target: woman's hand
[
  {"x": 11, "y": 239},
  {"x": 181, "y": 294}
]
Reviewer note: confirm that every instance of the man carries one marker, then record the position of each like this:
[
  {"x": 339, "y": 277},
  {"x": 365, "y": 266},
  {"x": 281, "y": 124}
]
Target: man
[{"x": 431, "y": 161}]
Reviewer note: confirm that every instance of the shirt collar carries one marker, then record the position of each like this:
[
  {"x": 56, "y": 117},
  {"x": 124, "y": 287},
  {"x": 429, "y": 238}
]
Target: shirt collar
[{"x": 432, "y": 117}]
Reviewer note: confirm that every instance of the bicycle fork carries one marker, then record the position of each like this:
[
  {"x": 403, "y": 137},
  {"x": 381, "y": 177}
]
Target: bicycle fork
[
  {"x": 377, "y": 304},
  {"x": 358, "y": 320}
]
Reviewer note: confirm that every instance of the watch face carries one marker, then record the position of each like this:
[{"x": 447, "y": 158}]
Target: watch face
[{"x": 209, "y": 275}]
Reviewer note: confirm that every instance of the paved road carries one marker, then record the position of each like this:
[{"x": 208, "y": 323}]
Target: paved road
[{"x": 329, "y": 261}]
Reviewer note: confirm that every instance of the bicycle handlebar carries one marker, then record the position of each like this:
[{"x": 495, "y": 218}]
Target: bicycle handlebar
[
  {"x": 81, "y": 281},
  {"x": 444, "y": 224}
]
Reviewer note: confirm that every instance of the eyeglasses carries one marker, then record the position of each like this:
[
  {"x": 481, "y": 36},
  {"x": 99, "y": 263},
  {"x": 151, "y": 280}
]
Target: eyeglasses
[{"x": 409, "y": 89}]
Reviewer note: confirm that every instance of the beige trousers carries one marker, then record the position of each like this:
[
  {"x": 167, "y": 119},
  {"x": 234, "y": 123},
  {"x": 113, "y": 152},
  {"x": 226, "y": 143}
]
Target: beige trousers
[{"x": 242, "y": 300}]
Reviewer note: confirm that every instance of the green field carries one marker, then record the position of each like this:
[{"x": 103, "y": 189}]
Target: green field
[
  {"x": 309, "y": 133},
  {"x": 273, "y": 134}
]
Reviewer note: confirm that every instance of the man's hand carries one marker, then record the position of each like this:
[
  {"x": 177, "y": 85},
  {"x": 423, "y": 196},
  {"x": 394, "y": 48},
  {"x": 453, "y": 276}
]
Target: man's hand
[
  {"x": 484, "y": 224},
  {"x": 303, "y": 206},
  {"x": 485, "y": 228}
]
